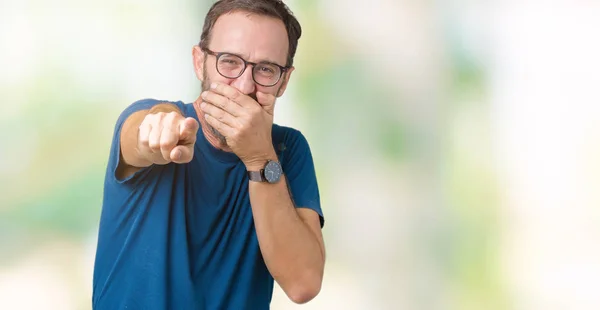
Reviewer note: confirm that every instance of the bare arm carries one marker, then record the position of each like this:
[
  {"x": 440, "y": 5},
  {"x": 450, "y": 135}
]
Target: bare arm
[
  {"x": 156, "y": 136},
  {"x": 290, "y": 239}
]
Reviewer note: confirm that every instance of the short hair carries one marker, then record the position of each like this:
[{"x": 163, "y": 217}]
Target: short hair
[{"x": 271, "y": 8}]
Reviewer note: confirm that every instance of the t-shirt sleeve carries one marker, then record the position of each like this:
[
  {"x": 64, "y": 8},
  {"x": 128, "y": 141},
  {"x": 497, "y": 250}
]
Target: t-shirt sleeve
[
  {"x": 115, "y": 152},
  {"x": 298, "y": 167}
]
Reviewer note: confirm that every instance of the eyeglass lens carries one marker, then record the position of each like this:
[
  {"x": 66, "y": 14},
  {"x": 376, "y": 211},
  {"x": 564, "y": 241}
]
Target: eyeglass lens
[{"x": 232, "y": 66}]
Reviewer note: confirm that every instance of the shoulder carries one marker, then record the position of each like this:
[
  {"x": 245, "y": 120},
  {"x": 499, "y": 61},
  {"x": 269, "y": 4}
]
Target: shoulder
[
  {"x": 291, "y": 145},
  {"x": 286, "y": 134},
  {"x": 288, "y": 138}
]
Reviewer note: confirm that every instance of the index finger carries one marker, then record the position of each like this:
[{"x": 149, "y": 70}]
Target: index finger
[
  {"x": 187, "y": 130},
  {"x": 230, "y": 92}
]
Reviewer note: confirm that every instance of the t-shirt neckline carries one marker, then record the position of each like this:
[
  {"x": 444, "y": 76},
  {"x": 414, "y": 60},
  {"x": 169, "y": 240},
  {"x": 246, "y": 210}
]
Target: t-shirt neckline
[{"x": 220, "y": 155}]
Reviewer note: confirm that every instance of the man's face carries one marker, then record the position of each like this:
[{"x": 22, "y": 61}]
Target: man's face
[{"x": 253, "y": 37}]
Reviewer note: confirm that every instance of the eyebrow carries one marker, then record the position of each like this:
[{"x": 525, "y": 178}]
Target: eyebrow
[{"x": 259, "y": 61}]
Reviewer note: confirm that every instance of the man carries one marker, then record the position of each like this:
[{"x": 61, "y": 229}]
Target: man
[{"x": 205, "y": 204}]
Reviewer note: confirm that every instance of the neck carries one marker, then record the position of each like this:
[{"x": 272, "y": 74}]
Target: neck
[{"x": 210, "y": 137}]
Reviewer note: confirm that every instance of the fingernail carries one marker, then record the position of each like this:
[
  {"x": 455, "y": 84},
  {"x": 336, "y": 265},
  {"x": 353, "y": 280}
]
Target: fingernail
[
  {"x": 202, "y": 105},
  {"x": 203, "y": 95},
  {"x": 177, "y": 154},
  {"x": 213, "y": 85}
]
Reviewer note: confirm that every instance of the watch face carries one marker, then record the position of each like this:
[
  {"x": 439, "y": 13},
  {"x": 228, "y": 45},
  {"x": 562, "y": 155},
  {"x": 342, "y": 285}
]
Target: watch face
[{"x": 273, "y": 171}]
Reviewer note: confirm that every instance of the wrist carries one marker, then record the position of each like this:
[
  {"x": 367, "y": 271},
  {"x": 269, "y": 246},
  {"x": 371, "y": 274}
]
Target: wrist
[{"x": 258, "y": 162}]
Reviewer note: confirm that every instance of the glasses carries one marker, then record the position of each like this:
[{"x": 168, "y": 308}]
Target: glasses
[{"x": 233, "y": 66}]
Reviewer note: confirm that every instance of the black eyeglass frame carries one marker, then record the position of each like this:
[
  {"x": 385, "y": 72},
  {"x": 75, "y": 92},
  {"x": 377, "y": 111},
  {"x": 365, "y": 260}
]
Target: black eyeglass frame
[{"x": 218, "y": 55}]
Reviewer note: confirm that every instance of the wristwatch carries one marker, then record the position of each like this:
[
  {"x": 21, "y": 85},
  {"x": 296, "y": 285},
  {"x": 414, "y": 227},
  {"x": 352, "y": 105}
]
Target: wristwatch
[{"x": 270, "y": 174}]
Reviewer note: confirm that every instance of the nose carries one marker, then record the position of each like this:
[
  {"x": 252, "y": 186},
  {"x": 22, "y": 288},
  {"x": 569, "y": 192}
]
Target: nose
[{"x": 245, "y": 83}]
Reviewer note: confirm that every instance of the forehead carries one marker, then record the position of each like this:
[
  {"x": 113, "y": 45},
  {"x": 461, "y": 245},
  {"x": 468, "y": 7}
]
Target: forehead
[{"x": 256, "y": 37}]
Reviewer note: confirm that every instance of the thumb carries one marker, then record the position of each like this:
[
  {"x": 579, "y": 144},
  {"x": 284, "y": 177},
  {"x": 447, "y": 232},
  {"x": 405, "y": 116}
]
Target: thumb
[{"x": 188, "y": 128}]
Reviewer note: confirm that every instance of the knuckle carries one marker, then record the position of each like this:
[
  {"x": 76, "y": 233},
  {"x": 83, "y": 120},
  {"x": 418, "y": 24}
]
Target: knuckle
[
  {"x": 153, "y": 146},
  {"x": 172, "y": 116},
  {"x": 144, "y": 140},
  {"x": 165, "y": 145}
]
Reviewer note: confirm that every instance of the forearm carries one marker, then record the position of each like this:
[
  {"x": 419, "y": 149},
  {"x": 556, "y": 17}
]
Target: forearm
[{"x": 291, "y": 250}]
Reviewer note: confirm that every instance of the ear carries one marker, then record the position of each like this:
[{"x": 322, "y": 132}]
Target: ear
[
  {"x": 284, "y": 83},
  {"x": 198, "y": 58}
]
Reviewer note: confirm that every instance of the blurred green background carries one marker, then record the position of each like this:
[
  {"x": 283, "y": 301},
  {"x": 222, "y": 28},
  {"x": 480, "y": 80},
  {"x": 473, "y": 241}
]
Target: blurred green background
[{"x": 456, "y": 144}]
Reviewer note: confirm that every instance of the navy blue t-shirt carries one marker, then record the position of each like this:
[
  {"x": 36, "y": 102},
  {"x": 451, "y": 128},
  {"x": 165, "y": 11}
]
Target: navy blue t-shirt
[{"x": 182, "y": 236}]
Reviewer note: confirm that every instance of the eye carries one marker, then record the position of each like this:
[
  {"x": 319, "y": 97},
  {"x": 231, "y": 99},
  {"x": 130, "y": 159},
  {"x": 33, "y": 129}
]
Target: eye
[
  {"x": 230, "y": 60},
  {"x": 267, "y": 70}
]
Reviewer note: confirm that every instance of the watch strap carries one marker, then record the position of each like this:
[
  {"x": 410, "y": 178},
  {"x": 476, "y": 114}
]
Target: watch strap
[{"x": 256, "y": 176}]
